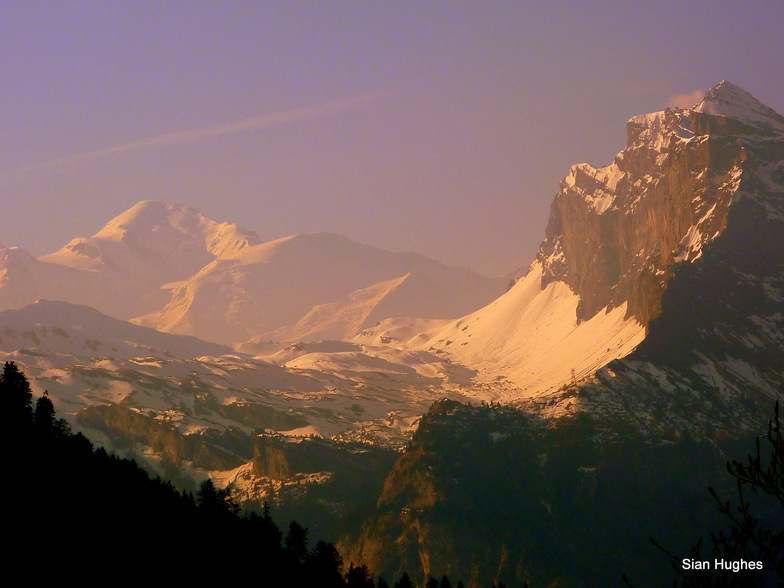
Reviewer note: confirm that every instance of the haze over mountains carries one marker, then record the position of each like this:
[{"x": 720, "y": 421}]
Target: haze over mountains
[
  {"x": 653, "y": 309},
  {"x": 120, "y": 270},
  {"x": 315, "y": 287},
  {"x": 614, "y": 236},
  {"x": 167, "y": 266}
]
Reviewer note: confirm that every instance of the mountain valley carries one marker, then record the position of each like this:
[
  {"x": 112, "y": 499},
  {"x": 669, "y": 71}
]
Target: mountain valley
[{"x": 386, "y": 395}]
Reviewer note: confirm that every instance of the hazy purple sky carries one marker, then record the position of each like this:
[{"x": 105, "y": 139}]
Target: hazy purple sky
[{"x": 437, "y": 127}]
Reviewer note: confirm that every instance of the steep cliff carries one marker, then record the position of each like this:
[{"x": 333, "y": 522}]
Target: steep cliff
[
  {"x": 685, "y": 231},
  {"x": 615, "y": 232},
  {"x": 615, "y": 237}
]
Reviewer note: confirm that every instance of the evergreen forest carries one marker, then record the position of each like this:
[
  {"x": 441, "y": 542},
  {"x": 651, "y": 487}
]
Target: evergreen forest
[{"x": 80, "y": 513}]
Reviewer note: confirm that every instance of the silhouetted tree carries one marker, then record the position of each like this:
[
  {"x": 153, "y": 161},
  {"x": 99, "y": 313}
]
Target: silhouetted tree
[
  {"x": 212, "y": 500},
  {"x": 445, "y": 583},
  {"x": 297, "y": 541},
  {"x": 15, "y": 397},
  {"x": 323, "y": 566},
  {"x": 43, "y": 419},
  {"x": 75, "y": 493},
  {"x": 404, "y": 581},
  {"x": 358, "y": 577}
]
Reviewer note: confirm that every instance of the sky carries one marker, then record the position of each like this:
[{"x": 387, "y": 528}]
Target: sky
[{"x": 437, "y": 127}]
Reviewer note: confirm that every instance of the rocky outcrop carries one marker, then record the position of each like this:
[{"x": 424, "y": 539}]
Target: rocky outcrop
[
  {"x": 280, "y": 458},
  {"x": 549, "y": 492},
  {"x": 615, "y": 232}
]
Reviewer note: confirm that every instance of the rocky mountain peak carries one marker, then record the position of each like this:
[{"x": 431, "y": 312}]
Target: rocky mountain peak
[
  {"x": 615, "y": 232},
  {"x": 729, "y": 101}
]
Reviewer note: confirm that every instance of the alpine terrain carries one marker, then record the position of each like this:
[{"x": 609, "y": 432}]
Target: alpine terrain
[
  {"x": 415, "y": 412},
  {"x": 670, "y": 263}
]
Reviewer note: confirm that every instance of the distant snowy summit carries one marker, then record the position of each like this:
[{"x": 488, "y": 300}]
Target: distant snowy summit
[
  {"x": 616, "y": 236},
  {"x": 316, "y": 286},
  {"x": 157, "y": 237},
  {"x": 120, "y": 269},
  {"x": 654, "y": 300},
  {"x": 168, "y": 266}
]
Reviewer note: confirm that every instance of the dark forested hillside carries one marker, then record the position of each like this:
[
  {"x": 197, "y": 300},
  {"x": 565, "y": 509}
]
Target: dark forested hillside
[
  {"x": 495, "y": 494},
  {"x": 72, "y": 511}
]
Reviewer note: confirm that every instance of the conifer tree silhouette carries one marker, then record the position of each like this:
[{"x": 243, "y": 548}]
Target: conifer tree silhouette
[
  {"x": 43, "y": 419},
  {"x": 404, "y": 581},
  {"x": 15, "y": 397}
]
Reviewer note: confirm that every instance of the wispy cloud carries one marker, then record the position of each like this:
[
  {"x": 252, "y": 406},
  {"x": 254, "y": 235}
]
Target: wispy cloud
[
  {"x": 686, "y": 100},
  {"x": 315, "y": 111}
]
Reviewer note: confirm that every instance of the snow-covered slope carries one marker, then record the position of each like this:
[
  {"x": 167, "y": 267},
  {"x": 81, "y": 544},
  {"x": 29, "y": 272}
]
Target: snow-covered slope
[
  {"x": 528, "y": 342},
  {"x": 119, "y": 382},
  {"x": 120, "y": 270},
  {"x": 314, "y": 286},
  {"x": 691, "y": 212},
  {"x": 24, "y": 279},
  {"x": 730, "y": 101},
  {"x": 60, "y": 329},
  {"x": 158, "y": 237},
  {"x": 712, "y": 359},
  {"x": 149, "y": 245},
  {"x": 175, "y": 270},
  {"x": 614, "y": 239}
]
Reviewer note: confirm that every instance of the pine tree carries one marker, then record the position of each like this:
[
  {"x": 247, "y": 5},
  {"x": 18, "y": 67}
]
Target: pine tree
[
  {"x": 15, "y": 397},
  {"x": 404, "y": 581},
  {"x": 43, "y": 419},
  {"x": 215, "y": 501},
  {"x": 297, "y": 541},
  {"x": 323, "y": 566},
  {"x": 358, "y": 577}
]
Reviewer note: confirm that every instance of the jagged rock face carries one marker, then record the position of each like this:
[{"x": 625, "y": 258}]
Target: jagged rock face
[
  {"x": 281, "y": 459},
  {"x": 615, "y": 232},
  {"x": 269, "y": 460}
]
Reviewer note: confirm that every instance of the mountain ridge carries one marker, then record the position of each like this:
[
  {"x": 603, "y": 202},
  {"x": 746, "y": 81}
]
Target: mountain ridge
[
  {"x": 582, "y": 476},
  {"x": 229, "y": 301},
  {"x": 613, "y": 240},
  {"x": 167, "y": 266}
]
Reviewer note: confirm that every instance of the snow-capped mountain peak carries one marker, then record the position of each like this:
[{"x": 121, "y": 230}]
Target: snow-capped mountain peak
[
  {"x": 731, "y": 101},
  {"x": 153, "y": 230},
  {"x": 614, "y": 238},
  {"x": 120, "y": 270},
  {"x": 318, "y": 278},
  {"x": 168, "y": 223}
]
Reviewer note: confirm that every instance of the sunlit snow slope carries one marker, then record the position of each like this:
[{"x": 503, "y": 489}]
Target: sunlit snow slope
[
  {"x": 316, "y": 286},
  {"x": 529, "y": 336},
  {"x": 613, "y": 240}
]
